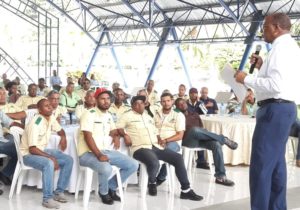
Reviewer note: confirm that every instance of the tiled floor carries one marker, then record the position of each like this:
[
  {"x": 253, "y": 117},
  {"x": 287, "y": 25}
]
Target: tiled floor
[{"x": 215, "y": 196}]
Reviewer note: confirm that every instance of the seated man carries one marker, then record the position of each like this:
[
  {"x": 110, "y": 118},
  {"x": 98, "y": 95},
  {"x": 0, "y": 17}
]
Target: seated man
[
  {"x": 171, "y": 126},
  {"x": 249, "y": 105},
  {"x": 89, "y": 103},
  {"x": 196, "y": 136},
  {"x": 7, "y": 147},
  {"x": 58, "y": 110},
  {"x": 29, "y": 101},
  {"x": 94, "y": 145},
  {"x": 69, "y": 98},
  {"x": 118, "y": 107},
  {"x": 33, "y": 148},
  {"x": 148, "y": 148}
]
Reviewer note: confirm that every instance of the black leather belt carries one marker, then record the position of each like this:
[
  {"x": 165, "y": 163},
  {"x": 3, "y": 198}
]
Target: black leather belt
[{"x": 272, "y": 100}]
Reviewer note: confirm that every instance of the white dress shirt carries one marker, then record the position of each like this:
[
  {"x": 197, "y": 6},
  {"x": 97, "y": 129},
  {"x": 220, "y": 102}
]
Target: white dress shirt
[{"x": 278, "y": 76}]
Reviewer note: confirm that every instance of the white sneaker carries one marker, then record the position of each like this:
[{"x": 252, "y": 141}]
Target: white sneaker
[{"x": 50, "y": 204}]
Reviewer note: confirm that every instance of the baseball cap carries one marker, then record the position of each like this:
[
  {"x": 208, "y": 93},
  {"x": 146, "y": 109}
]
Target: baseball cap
[
  {"x": 193, "y": 90},
  {"x": 136, "y": 98},
  {"x": 100, "y": 91}
]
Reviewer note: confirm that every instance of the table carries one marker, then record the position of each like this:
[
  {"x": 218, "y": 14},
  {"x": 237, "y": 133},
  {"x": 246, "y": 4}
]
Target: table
[{"x": 239, "y": 128}]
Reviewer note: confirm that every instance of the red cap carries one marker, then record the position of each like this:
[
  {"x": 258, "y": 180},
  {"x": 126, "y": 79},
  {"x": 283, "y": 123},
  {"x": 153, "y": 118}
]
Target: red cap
[{"x": 100, "y": 91}]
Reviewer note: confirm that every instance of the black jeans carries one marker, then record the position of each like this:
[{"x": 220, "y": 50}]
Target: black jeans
[{"x": 151, "y": 157}]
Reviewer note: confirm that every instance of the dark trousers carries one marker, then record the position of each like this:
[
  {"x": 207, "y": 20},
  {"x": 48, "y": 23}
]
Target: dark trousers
[
  {"x": 151, "y": 157},
  {"x": 267, "y": 166},
  {"x": 9, "y": 149}
]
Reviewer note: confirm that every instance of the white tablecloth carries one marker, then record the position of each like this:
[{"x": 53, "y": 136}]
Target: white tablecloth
[{"x": 239, "y": 128}]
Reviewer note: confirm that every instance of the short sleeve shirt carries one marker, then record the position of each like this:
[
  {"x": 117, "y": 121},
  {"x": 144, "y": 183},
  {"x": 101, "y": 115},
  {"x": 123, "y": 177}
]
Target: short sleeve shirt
[
  {"x": 24, "y": 101},
  {"x": 37, "y": 133},
  {"x": 99, "y": 124}
]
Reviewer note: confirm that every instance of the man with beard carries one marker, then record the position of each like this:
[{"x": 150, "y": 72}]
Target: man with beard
[
  {"x": 147, "y": 147},
  {"x": 171, "y": 126},
  {"x": 94, "y": 151},
  {"x": 33, "y": 148}
]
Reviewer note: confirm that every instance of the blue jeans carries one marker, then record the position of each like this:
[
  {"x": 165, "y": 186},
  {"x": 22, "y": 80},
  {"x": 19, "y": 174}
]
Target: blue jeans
[
  {"x": 295, "y": 132},
  {"x": 46, "y": 166},
  {"x": 267, "y": 165},
  {"x": 174, "y": 146},
  {"x": 9, "y": 149},
  {"x": 199, "y": 137},
  {"x": 126, "y": 164}
]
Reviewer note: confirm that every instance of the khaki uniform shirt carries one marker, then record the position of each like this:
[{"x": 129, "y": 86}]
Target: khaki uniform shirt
[
  {"x": 81, "y": 93},
  {"x": 140, "y": 128},
  {"x": 80, "y": 109},
  {"x": 37, "y": 133},
  {"x": 59, "y": 111},
  {"x": 118, "y": 112},
  {"x": 10, "y": 108},
  {"x": 153, "y": 97},
  {"x": 169, "y": 124},
  {"x": 99, "y": 124},
  {"x": 185, "y": 97},
  {"x": 43, "y": 92},
  {"x": 24, "y": 101}
]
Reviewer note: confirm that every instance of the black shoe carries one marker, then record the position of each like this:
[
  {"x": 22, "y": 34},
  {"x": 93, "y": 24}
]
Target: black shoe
[
  {"x": 5, "y": 179},
  {"x": 190, "y": 195},
  {"x": 106, "y": 199},
  {"x": 152, "y": 189},
  {"x": 114, "y": 195},
  {"x": 224, "y": 181},
  {"x": 159, "y": 181},
  {"x": 203, "y": 166},
  {"x": 231, "y": 144}
]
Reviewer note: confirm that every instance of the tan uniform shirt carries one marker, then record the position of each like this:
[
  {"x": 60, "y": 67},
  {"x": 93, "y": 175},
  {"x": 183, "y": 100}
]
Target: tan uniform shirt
[
  {"x": 99, "y": 124},
  {"x": 24, "y": 101},
  {"x": 140, "y": 128},
  {"x": 43, "y": 92},
  {"x": 37, "y": 133},
  {"x": 59, "y": 111},
  {"x": 153, "y": 97},
  {"x": 80, "y": 109},
  {"x": 169, "y": 124},
  {"x": 118, "y": 112},
  {"x": 185, "y": 97},
  {"x": 81, "y": 93}
]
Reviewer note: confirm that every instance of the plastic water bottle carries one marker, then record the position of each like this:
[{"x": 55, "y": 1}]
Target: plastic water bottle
[{"x": 222, "y": 109}]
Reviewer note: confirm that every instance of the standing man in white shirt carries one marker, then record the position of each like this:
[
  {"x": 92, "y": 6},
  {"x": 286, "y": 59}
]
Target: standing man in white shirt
[
  {"x": 274, "y": 87},
  {"x": 55, "y": 81}
]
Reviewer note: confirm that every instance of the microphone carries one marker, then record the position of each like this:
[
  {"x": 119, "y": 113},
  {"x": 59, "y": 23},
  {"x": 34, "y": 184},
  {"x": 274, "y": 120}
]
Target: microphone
[{"x": 258, "y": 48}]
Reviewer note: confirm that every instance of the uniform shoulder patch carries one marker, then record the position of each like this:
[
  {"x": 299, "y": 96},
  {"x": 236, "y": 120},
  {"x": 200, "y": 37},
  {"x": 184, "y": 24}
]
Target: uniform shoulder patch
[
  {"x": 177, "y": 110},
  {"x": 128, "y": 110},
  {"x": 92, "y": 111},
  {"x": 155, "y": 91},
  {"x": 38, "y": 120}
]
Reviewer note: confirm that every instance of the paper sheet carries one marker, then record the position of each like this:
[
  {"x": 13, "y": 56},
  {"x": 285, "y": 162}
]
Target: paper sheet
[{"x": 227, "y": 75}]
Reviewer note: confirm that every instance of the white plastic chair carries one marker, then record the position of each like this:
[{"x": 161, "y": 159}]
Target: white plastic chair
[
  {"x": 89, "y": 179},
  {"x": 144, "y": 178},
  {"x": 21, "y": 169},
  {"x": 30, "y": 114},
  {"x": 189, "y": 154},
  {"x": 293, "y": 142}
]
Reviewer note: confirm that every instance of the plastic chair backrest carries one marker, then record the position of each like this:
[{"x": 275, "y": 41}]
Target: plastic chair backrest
[{"x": 17, "y": 133}]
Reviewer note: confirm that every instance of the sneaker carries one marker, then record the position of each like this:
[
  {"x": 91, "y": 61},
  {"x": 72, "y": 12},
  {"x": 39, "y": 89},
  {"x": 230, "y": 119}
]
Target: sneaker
[
  {"x": 159, "y": 181},
  {"x": 114, "y": 195},
  {"x": 106, "y": 199},
  {"x": 224, "y": 181},
  {"x": 298, "y": 163},
  {"x": 190, "y": 195},
  {"x": 231, "y": 144},
  {"x": 50, "y": 204},
  {"x": 60, "y": 197},
  {"x": 152, "y": 189}
]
